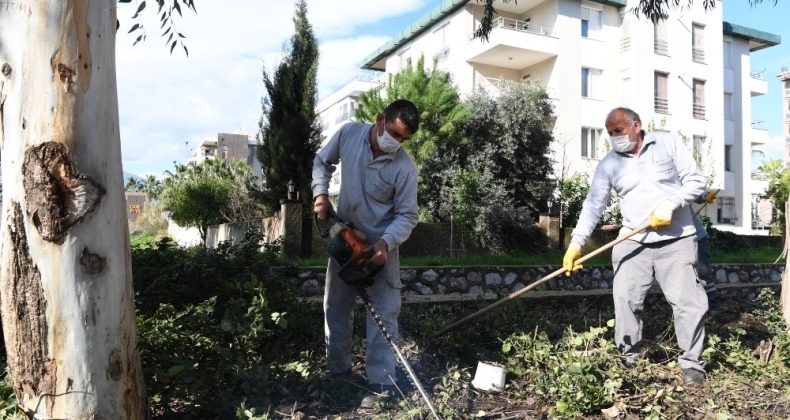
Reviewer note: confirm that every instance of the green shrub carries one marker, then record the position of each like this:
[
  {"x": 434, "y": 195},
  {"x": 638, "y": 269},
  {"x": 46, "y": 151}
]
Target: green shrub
[
  {"x": 579, "y": 371},
  {"x": 215, "y": 327},
  {"x": 725, "y": 241}
]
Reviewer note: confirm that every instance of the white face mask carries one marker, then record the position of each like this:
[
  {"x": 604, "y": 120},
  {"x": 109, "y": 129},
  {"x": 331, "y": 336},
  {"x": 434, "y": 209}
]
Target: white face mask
[
  {"x": 387, "y": 143},
  {"x": 623, "y": 143}
]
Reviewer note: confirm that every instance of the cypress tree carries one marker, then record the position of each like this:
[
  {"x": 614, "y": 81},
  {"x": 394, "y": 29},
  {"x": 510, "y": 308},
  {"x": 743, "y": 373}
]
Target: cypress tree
[{"x": 290, "y": 132}]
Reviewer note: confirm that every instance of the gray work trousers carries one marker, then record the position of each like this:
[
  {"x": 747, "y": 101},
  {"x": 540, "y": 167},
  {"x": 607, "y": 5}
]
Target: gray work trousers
[
  {"x": 672, "y": 263},
  {"x": 339, "y": 302}
]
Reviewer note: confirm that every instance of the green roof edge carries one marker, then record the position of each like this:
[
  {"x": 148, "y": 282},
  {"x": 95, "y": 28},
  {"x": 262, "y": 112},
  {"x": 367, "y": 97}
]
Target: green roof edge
[
  {"x": 744, "y": 32},
  {"x": 426, "y": 21},
  {"x": 615, "y": 3},
  {"x": 413, "y": 30}
]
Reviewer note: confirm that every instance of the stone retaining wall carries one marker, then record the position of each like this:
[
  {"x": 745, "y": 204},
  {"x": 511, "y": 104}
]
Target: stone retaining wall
[{"x": 464, "y": 283}]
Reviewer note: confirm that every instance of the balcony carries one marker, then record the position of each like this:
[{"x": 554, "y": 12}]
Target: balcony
[
  {"x": 698, "y": 111},
  {"x": 661, "y": 105},
  {"x": 757, "y": 84},
  {"x": 759, "y": 134},
  {"x": 514, "y": 44},
  {"x": 661, "y": 47},
  {"x": 698, "y": 55}
]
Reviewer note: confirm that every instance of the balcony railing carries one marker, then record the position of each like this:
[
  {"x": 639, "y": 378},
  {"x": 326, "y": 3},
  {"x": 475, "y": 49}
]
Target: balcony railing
[
  {"x": 698, "y": 111},
  {"x": 661, "y": 47},
  {"x": 757, "y": 75},
  {"x": 759, "y": 125},
  {"x": 662, "y": 105},
  {"x": 522, "y": 26},
  {"x": 698, "y": 55}
]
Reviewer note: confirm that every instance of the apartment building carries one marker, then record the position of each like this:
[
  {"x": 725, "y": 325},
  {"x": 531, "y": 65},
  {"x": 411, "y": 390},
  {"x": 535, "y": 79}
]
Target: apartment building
[
  {"x": 229, "y": 146},
  {"x": 784, "y": 77},
  {"x": 688, "y": 74},
  {"x": 338, "y": 108}
]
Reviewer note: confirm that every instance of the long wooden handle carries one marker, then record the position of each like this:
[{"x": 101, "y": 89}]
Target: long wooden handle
[{"x": 546, "y": 278}]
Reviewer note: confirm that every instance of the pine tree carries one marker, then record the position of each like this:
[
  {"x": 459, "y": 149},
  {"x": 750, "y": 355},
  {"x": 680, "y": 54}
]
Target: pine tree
[{"x": 290, "y": 132}]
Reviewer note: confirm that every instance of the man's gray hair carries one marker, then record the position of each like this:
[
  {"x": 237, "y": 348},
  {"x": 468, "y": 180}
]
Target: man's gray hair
[{"x": 630, "y": 115}]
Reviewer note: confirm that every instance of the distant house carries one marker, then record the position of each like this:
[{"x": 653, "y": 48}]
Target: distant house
[{"x": 227, "y": 146}]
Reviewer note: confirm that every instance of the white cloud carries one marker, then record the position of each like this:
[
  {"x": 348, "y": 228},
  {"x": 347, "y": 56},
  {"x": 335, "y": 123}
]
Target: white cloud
[
  {"x": 774, "y": 148},
  {"x": 169, "y": 102}
]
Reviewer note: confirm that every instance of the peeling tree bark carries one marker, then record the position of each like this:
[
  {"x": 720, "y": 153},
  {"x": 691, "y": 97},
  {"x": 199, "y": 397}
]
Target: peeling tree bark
[{"x": 65, "y": 273}]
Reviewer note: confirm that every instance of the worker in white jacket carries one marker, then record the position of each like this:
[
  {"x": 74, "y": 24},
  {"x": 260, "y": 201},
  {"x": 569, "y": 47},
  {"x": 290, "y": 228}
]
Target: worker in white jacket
[{"x": 655, "y": 178}]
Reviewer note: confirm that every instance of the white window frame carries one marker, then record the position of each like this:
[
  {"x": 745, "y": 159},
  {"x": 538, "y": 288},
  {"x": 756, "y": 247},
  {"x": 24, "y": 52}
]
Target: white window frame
[
  {"x": 441, "y": 34},
  {"x": 593, "y": 15},
  {"x": 590, "y": 142},
  {"x": 593, "y": 78},
  {"x": 698, "y": 42}
]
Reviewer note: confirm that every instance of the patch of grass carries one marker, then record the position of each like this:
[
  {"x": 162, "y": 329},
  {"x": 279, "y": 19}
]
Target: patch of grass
[{"x": 761, "y": 255}]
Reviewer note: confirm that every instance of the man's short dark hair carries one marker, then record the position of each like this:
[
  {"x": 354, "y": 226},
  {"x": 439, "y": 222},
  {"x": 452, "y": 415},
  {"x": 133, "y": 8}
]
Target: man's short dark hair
[{"x": 405, "y": 111}]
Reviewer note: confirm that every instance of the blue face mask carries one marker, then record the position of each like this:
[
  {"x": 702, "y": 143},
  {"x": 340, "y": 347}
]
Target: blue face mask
[{"x": 387, "y": 143}]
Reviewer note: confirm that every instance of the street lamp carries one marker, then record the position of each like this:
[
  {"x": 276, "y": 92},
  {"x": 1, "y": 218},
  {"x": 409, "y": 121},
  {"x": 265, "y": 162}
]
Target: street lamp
[{"x": 291, "y": 190}]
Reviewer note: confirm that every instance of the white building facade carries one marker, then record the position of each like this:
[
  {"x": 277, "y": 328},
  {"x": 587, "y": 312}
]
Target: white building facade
[
  {"x": 784, "y": 77},
  {"x": 689, "y": 74}
]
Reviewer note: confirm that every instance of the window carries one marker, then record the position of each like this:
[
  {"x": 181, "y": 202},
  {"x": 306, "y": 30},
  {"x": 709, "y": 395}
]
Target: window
[
  {"x": 590, "y": 81},
  {"x": 728, "y": 106},
  {"x": 660, "y": 38},
  {"x": 250, "y": 154},
  {"x": 727, "y": 157},
  {"x": 441, "y": 41},
  {"x": 725, "y": 213},
  {"x": 661, "y": 92},
  {"x": 699, "y": 99},
  {"x": 403, "y": 58},
  {"x": 697, "y": 44},
  {"x": 626, "y": 99},
  {"x": 590, "y": 137},
  {"x": 591, "y": 22}
]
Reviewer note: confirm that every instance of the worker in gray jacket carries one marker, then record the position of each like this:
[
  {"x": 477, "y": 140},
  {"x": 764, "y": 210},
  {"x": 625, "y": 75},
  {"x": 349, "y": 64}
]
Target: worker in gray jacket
[
  {"x": 378, "y": 195},
  {"x": 655, "y": 177}
]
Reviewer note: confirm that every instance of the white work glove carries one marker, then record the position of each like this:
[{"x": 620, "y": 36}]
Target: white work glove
[{"x": 662, "y": 215}]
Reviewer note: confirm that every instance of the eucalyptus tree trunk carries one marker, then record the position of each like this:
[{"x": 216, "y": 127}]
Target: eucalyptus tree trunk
[
  {"x": 66, "y": 287},
  {"x": 784, "y": 301}
]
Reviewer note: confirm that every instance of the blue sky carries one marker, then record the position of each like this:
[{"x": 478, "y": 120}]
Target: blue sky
[
  {"x": 776, "y": 20},
  {"x": 169, "y": 103}
]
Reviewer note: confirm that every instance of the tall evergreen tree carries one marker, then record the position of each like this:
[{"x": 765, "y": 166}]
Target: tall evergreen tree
[{"x": 290, "y": 132}]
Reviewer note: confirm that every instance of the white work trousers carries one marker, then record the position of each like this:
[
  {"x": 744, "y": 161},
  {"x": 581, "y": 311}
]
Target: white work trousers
[
  {"x": 339, "y": 302},
  {"x": 673, "y": 263}
]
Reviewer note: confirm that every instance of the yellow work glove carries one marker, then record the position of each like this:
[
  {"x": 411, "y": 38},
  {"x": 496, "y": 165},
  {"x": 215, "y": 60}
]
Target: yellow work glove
[
  {"x": 662, "y": 215},
  {"x": 711, "y": 196},
  {"x": 569, "y": 260}
]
